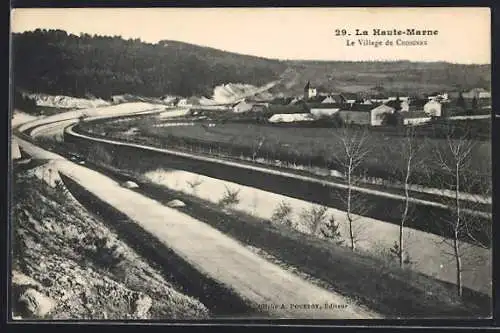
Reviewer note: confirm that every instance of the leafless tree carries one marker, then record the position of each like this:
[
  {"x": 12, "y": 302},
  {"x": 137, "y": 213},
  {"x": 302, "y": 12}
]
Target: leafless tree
[
  {"x": 411, "y": 160},
  {"x": 350, "y": 155},
  {"x": 257, "y": 147},
  {"x": 454, "y": 157}
]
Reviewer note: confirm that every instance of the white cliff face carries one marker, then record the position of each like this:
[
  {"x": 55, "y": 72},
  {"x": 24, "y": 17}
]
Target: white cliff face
[
  {"x": 60, "y": 101},
  {"x": 232, "y": 92},
  {"x": 227, "y": 93}
]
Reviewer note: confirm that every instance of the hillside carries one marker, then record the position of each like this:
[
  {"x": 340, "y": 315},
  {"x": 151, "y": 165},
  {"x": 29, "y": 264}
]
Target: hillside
[
  {"x": 67, "y": 263},
  {"x": 385, "y": 77},
  {"x": 58, "y": 63}
]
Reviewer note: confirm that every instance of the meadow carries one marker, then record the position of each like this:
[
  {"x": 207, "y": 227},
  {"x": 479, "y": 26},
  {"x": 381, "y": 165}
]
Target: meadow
[{"x": 309, "y": 146}]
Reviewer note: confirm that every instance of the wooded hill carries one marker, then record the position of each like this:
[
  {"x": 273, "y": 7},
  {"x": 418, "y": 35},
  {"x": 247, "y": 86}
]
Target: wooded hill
[{"x": 55, "y": 62}]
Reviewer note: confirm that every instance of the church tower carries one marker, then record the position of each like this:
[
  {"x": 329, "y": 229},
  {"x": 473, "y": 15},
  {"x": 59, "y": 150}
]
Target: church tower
[{"x": 309, "y": 92}]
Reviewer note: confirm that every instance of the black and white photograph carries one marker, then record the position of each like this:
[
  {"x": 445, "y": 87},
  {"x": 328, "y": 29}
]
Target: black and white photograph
[{"x": 250, "y": 163}]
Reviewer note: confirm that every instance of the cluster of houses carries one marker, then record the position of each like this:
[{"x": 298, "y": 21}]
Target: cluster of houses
[
  {"x": 349, "y": 107},
  {"x": 353, "y": 109}
]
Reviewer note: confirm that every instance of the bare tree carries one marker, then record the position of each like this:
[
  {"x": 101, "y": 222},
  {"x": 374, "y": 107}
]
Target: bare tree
[
  {"x": 350, "y": 156},
  {"x": 409, "y": 151},
  {"x": 256, "y": 148},
  {"x": 454, "y": 157}
]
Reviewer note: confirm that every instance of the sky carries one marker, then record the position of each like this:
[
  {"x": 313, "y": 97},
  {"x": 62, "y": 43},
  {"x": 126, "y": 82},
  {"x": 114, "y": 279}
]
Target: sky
[{"x": 284, "y": 33}]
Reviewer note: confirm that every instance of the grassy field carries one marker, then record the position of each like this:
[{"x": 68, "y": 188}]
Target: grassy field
[{"x": 314, "y": 146}]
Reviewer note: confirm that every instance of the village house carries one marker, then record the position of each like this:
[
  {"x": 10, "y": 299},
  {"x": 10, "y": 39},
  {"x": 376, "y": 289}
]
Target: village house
[
  {"x": 362, "y": 114},
  {"x": 433, "y": 108},
  {"x": 334, "y": 99}
]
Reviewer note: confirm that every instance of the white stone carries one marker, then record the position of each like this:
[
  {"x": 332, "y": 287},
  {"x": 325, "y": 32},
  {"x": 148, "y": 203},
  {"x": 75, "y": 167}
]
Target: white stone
[
  {"x": 130, "y": 184},
  {"x": 176, "y": 204},
  {"x": 35, "y": 304}
]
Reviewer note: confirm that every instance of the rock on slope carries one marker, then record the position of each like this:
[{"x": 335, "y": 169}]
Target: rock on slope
[{"x": 68, "y": 265}]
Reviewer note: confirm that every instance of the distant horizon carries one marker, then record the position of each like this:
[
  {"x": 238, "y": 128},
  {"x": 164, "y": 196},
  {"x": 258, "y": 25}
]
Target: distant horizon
[
  {"x": 262, "y": 57},
  {"x": 293, "y": 34}
]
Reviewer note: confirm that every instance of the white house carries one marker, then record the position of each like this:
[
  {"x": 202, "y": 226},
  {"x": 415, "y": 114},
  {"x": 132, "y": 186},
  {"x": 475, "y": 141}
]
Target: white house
[
  {"x": 378, "y": 113},
  {"x": 433, "y": 108}
]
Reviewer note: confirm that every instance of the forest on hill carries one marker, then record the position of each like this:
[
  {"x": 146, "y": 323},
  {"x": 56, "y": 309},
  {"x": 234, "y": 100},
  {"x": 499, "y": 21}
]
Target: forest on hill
[{"x": 55, "y": 62}]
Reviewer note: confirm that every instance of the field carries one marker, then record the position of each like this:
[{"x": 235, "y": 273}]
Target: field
[{"x": 304, "y": 146}]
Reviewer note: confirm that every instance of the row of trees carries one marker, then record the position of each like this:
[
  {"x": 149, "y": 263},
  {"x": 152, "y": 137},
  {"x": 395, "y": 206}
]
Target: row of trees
[
  {"x": 461, "y": 222},
  {"x": 454, "y": 159}
]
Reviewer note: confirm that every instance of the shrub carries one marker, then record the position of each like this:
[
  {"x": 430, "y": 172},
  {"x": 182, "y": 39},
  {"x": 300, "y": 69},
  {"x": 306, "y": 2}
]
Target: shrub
[
  {"x": 392, "y": 255},
  {"x": 230, "y": 198},
  {"x": 331, "y": 231},
  {"x": 314, "y": 217},
  {"x": 283, "y": 214}
]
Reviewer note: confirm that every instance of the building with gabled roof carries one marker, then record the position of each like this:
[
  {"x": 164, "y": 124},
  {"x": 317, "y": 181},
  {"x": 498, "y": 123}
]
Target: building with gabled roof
[{"x": 365, "y": 114}]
